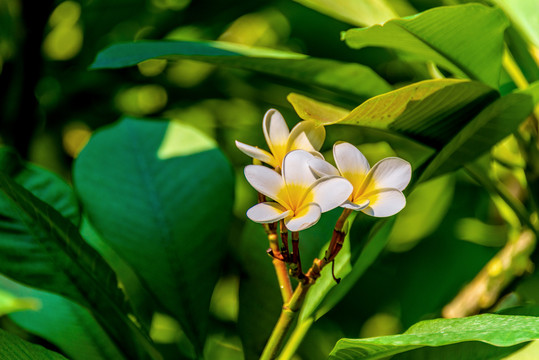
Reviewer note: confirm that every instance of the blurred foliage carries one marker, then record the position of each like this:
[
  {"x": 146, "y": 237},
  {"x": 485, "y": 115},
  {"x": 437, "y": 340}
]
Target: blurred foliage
[{"x": 51, "y": 105}]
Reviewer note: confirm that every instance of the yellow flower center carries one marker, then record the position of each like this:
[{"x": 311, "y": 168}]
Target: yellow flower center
[
  {"x": 361, "y": 190},
  {"x": 279, "y": 152},
  {"x": 295, "y": 195}
]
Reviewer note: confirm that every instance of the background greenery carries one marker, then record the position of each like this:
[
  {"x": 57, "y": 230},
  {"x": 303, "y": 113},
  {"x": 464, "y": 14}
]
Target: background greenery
[{"x": 156, "y": 200}]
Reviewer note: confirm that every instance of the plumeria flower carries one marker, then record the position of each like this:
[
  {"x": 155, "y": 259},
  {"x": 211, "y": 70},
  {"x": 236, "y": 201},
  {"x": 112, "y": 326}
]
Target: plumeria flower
[
  {"x": 306, "y": 135},
  {"x": 377, "y": 191},
  {"x": 300, "y": 198}
]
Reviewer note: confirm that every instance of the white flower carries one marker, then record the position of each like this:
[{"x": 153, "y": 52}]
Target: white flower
[
  {"x": 377, "y": 191},
  {"x": 300, "y": 197},
  {"x": 306, "y": 135}
]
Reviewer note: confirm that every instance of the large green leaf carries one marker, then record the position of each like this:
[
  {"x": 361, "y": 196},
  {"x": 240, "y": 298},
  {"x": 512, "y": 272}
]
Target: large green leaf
[
  {"x": 14, "y": 348},
  {"x": 161, "y": 193},
  {"x": 63, "y": 323},
  {"x": 349, "y": 78},
  {"x": 497, "y": 330},
  {"x": 465, "y": 39},
  {"x": 494, "y": 123},
  {"x": 43, "y": 249},
  {"x": 430, "y": 111}
]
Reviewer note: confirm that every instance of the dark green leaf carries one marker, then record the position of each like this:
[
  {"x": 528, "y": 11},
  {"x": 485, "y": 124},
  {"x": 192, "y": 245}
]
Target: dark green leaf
[
  {"x": 161, "y": 193},
  {"x": 43, "y": 249},
  {"x": 14, "y": 348},
  {"x": 497, "y": 330},
  {"x": 349, "y": 78},
  {"x": 63, "y": 323},
  {"x": 474, "y": 51}
]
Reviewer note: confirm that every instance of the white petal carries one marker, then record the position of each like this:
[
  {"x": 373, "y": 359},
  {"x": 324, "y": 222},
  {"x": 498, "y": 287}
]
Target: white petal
[
  {"x": 392, "y": 173},
  {"x": 350, "y": 160},
  {"x": 275, "y": 131},
  {"x": 350, "y": 205},
  {"x": 322, "y": 168},
  {"x": 317, "y": 154},
  {"x": 330, "y": 192},
  {"x": 385, "y": 202},
  {"x": 257, "y": 153},
  {"x": 305, "y": 217},
  {"x": 267, "y": 212},
  {"x": 296, "y": 170},
  {"x": 265, "y": 181},
  {"x": 307, "y": 135}
]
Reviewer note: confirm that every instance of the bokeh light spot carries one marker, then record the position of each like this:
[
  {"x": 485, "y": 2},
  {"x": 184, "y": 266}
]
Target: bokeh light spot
[
  {"x": 66, "y": 14},
  {"x": 75, "y": 135},
  {"x": 63, "y": 42},
  {"x": 152, "y": 67},
  {"x": 142, "y": 100}
]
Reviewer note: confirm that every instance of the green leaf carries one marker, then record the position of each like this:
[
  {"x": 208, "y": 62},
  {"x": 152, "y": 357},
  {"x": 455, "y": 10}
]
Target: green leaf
[
  {"x": 161, "y": 193},
  {"x": 63, "y": 323},
  {"x": 14, "y": 348},
  {"x": 348, "y": 78},
  {"x": 533, "y": 91},
  {"x": 341, "y": 268},
  {"x": 523, "y": 15},
  {"x": 10, "y": 303},
  {"x": 494, "y": 123},
  {"x": 376, "y": 242},
  {"x": 497, "y": 330},
  {"x": 430, "y": 111},
  {"x": 474, "y": 51},
  {"x": 358, "y": 13},
  {"x": 43, "y": 249},
  {"x": 427, "y": 205}
]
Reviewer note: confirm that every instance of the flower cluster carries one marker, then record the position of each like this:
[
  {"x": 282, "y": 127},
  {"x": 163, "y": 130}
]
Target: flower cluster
[{"x": 303, "y": 185}]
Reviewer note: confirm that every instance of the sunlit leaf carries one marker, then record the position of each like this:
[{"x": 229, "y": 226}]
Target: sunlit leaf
[
  {"x": 42, "y": 248},
  {"x": 474, "y": 51},
  {"x": 523, "y": 13},
  {"x": 63, "y": 323},
  {"x": 430, "y": 111},
  {"x": 349, "y": 78},
  {"x": 164, "y": 210},
  {"x": 358, "y": 13},
  {"x": 496, "y": 330},
  {"x": 10, "y": 303},
  {"x": 14, "y": 348}
]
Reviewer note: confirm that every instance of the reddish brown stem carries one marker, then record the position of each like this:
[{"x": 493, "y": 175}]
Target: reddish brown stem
[{"x": 296, "y": 258}]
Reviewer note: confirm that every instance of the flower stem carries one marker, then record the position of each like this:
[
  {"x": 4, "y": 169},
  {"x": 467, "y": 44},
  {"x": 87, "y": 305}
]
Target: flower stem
[
  {"x": 280, "y": 268},
  {"x": 296, "y": 338},
  {"x": 337, "y": 239},
  {"x": 290, "y": 310},
  {"x": 296, "y": 270}
]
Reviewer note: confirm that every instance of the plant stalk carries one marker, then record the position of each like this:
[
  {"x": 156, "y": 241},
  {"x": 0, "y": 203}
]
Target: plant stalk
[{"x": 280, "y": 268}]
